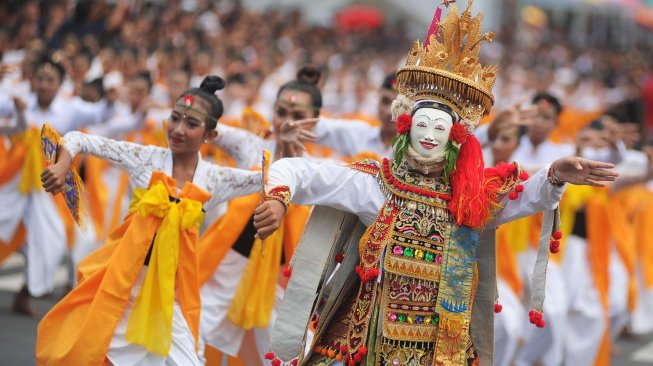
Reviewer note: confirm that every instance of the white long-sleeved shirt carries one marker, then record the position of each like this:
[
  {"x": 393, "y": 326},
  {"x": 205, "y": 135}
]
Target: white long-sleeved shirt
[
  {"x": 533, "y": 158},
  {"x": 351, "y": 137},
  {"x": 139, "y": 161},
  {"x": 63, "y": 115},
  {"x": 123, "y": 121},
  {"x": 359, "y": 193}
]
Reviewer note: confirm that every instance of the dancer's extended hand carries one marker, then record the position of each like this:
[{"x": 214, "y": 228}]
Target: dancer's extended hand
[
  {"x": 581, "y": 171},
  {"x": 268, "y": 218},
  {"x": 294, "y": 134},
  {"x": 54, "y": 176}
]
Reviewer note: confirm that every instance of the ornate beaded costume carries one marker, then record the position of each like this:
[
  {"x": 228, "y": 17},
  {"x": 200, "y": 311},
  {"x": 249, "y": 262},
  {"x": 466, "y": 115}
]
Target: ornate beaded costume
[
  {"x": 420, "y": 267},
  {"x": 421, "y": 307}
]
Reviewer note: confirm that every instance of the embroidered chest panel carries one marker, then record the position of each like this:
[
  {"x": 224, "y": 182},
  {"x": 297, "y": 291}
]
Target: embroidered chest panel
[
  {"x": 429, "y": 268},
  {"x": 412, "y": 265}
]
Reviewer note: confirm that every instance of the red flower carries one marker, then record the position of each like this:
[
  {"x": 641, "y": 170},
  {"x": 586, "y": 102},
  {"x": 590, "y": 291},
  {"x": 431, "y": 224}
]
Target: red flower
[
  {"x": 458, "y": 133},
  {"x": 403, "y": 123}
]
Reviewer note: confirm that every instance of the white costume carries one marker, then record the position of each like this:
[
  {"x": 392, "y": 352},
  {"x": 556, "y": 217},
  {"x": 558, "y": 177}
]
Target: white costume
[
  {"x": 46, "y": 234},
  {"x": 346, "y": 189},
  {"x": 351, "y": 137},
  {"x": 550, "y": 345},
  {"x": 139, "y": 162}
]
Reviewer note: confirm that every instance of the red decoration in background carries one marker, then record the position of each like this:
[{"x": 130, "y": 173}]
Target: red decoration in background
[{"x": 359, "y": 18}]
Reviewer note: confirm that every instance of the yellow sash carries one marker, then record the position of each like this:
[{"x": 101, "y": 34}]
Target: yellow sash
[
  {"x": 30, "y": 179},
  {"x": 254, "y": 299},
  {"x": 150, "y": 322}
]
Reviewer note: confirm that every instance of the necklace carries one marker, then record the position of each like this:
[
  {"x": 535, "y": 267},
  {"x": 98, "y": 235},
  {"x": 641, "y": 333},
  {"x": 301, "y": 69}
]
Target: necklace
[{"x": 398, "y": 184}]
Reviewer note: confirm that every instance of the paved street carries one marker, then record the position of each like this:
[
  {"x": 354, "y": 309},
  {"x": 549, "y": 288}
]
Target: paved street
[{"x": 18, "y": 333}]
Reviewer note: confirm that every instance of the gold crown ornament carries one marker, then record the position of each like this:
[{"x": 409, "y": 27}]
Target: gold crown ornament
[{"x": 447, "y": 69}]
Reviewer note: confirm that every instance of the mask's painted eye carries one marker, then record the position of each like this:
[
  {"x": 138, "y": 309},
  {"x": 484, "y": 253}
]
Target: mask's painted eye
[
  {"x": 439, "y": 127},
  {"x": 421, "y": 124}
]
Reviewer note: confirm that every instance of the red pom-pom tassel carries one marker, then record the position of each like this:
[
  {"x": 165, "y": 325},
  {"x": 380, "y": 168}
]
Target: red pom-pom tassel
[
  {"x": 536, "y": 318},
  {"x": 269, "y": 356},
  {"x": 557, "y": 235},
  {"x": 498, "y": 308},
  {"x": 287, "y": 272},
  {"x": 339, "y": 257},
  {"x": 294, "y": 362},
  {"x": 276, "y": 362},
  {"x": 523, "y": 175},
  {"x": 519, "y": 188},
  {"x": 513, "y": 195}
]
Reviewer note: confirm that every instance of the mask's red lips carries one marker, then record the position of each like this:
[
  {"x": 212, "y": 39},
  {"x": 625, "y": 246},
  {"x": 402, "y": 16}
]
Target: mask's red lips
[{"x": 428, "y": 145}]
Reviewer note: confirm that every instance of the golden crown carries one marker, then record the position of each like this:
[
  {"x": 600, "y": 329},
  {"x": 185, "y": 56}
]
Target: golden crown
[{"x": 448, "y": 69}]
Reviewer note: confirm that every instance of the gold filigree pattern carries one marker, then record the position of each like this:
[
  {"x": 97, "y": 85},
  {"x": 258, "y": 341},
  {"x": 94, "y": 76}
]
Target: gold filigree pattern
[
  {"x": 279, "y": 193},
  {"x": 405, "y": 354},
  {"x": 410, "y": 268},
  {"x": 368, "y": 166}
]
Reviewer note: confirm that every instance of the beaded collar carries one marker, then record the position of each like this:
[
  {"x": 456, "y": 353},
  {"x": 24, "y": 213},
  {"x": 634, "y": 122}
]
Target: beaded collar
[{"x": 403, "y": 186}]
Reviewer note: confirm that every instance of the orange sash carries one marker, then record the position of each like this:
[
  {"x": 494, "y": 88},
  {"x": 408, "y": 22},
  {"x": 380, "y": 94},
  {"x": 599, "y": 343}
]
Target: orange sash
[
  {"x": 254, "y": 299},
  {"x": 78, "y": 330}
]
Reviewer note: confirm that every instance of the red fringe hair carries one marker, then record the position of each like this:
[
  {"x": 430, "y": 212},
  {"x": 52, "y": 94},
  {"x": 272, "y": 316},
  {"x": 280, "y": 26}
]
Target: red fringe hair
[
  {"x": 469, "y": 204},
  {"x": 476, "y": 189}
]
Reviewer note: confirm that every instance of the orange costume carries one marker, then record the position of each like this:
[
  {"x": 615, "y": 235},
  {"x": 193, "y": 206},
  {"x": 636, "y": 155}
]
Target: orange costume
[
  {"x": 130, "y": 303},
  {"x": 79, "y": 329}
]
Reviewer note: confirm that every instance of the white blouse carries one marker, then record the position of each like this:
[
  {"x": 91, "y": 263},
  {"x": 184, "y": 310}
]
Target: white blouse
[
  {"x": 351, "y": 137},
  {"x": 139, "y": 161},
  {"x": 359, "y": 193},
  {"x": 63, "y": 115}
]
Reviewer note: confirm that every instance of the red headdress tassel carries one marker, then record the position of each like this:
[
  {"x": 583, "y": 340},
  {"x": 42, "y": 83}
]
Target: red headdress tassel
[{"x": 469, "y": 204}]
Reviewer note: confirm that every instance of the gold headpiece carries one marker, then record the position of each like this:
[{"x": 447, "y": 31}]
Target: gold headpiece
[{"x": 448, "y": 69}]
